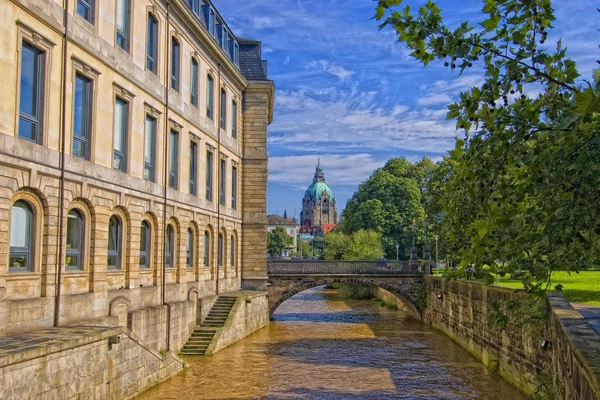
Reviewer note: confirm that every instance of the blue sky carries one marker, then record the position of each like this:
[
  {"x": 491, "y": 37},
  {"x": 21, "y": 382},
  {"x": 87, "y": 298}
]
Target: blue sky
[{"x": 349, "y": 93}]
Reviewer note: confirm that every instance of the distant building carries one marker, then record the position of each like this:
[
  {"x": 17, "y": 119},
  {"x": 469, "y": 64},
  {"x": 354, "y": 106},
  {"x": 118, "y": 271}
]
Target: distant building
[
  {"x": 291, "y": 228},
  {"x": 318, "y": 206}
]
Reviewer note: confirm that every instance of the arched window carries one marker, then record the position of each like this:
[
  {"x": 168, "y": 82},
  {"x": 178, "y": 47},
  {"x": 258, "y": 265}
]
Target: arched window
[
  {"x": 169, "y": 247},
  {"x": 220, "y": 251},
  {"x": 145, "y": 245},
  {"x": 115, "y": 233},
  {"x": 232, "y": 253},
  {"x": 206, "y": 249},
  {"x": 21, "y": 237},
  {"x": 190, "y": 248},
  {"x": 75, "y": 240}
]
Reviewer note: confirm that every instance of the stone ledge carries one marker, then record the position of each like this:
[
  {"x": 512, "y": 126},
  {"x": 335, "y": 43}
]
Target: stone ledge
[
  {"x": 27, "y": 346},
  {"x": 583, "y": 338}
]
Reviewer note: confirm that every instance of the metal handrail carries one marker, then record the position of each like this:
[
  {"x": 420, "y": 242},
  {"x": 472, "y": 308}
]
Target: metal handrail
[{"x": 318, "y": 267}]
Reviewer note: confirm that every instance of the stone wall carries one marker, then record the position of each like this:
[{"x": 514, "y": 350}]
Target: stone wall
[
  {"x": 249, "y": 314},
  {"x": 557, "y": 354},
  {"x": 86, "y": 368}
]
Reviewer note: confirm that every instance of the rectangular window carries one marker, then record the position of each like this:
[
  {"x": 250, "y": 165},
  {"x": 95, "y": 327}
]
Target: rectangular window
[
  {"x": 31, "y": 96},
  {"x": 195, "y": 6},
  {"x": 173, "y": 158},
  {"x": 82, "y": 116},
  {"x": 222, "y": 181},
  {"x": 194, "y": 83},
  {"x": 223, "y": 109},
  {"x": 85, "y": 8},
  {"x": 210, "y": 96},
  {"x": 234, "y": 188},
  {"x": 236, "y": 53},
  {"x": 209, "y": 175},
  {"x": 149, "y": 148},
  {"x": 120, "y": 135},
  {"x": 193, "y": 167},
  {"x": 151, "y": 43},
  {"x": 123, "y": 13},
  {"x": 234, "y": 119},
  {"x": 175, "y": 51},
  {"x": 212, "y": 24}
]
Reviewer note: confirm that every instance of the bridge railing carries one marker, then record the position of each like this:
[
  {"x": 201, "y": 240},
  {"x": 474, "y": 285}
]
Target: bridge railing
[{"x": 305, "y": 267}]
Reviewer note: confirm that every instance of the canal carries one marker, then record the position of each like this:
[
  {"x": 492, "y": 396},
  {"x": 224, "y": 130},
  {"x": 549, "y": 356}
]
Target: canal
[{"x": 321, "y": 346}]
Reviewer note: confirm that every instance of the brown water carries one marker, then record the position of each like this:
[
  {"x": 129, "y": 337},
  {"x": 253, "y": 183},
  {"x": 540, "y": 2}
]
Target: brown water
[{"x": 320, "y": 346}]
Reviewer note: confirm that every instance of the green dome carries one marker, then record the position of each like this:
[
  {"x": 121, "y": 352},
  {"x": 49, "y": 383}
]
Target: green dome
[{"x": 316, "y": 190}]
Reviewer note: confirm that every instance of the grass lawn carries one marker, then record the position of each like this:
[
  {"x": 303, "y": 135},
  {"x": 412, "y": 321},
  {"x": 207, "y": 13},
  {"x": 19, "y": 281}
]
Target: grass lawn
[{"x": 583, "y": 287}]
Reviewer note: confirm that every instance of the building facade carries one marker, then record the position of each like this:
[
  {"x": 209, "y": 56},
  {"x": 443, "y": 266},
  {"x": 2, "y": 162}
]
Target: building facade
[
  {"x": 291, "y": 228},
  {"x": 318, "y": 205},
  {"x": 134, "y": 161}
]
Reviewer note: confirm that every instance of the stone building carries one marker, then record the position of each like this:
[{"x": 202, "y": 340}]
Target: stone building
[
  {"x": 133, "y": 159},
  {"x": 318, "y": 205}
]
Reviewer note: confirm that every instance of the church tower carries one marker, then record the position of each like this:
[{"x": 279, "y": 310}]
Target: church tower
[{"x": 318, "y": 205}]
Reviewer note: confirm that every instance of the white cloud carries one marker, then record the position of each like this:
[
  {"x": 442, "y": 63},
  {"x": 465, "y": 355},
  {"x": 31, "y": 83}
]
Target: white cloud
[
  {"x": 264, "y": 22},
  {"x": 433, "y": 99},
  {"x": 331, "y": 68}
]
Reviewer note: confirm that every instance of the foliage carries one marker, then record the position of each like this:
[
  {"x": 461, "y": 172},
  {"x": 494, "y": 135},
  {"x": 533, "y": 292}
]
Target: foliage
[
  {"x": 364, "y": 245},
  {"x": 304, "y": 248},
  {"x": 524, "y": 184},
  {"x": 353, "y": 291},
  {"x": 336, "y": 245},
  {"x": 387, "y": 203},
  {"x": 277, "y": 240}
]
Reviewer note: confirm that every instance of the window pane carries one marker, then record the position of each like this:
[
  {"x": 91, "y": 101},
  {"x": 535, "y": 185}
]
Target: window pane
[
  {"x": 28, "y": 80},
  {"x": 114, "y": 227},
  {"x": 149, "y": 148},
  {"x": 27, "y": 129},
  {"x": 220, "y": 250},
  {"x": 209, "y": 174},
  {"x": 173, "y": 159},
  {"x": 206, "y": 248},
  {"x": 190, "y": 248},
  {"x": 123, "y": 16},
  {"x": 232, "y": 251},
  {"x": 20, "y": 223},
  {"x": 81, "y": 114},
  {"x": 209, "y": 97},
  {"x": 73, "y": 230}
]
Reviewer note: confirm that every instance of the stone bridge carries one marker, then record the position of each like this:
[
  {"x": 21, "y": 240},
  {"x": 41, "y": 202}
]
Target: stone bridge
[{"x": 402, "y": 279}]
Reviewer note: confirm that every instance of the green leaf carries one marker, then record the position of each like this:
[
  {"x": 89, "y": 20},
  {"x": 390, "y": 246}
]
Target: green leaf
[
  {"x": 588, "y": 102},
  {"x": 491, "y": 23}
]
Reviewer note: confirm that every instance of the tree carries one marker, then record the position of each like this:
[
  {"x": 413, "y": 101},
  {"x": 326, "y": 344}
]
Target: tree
[
  {"x": 523, "y": 189},
  {"x": 364, "y": 245},
  {"x": 304, "y": 248},
  {"x": 387, "y": 203},
  {"x": 337, "y": 245},
  {"x": 277, "y": 240}
]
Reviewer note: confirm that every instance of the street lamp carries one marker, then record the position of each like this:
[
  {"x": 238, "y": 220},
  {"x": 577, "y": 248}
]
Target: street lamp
[
  {"x": 397, "y": 247},
  {"x": 437, "y": 237},
  {"x": 426, "y": 252},
  {"x": 413, "y": 250}
]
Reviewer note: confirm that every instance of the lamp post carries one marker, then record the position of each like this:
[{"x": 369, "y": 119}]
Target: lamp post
[
  {"x": 437, "y": 237},
  {"x": 397, "y": 247},
  {"x": 413, "y": 250},
  {"x": 426, "y": 252}
]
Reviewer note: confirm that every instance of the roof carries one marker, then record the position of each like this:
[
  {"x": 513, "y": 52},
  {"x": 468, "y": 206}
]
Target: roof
[
  {"x": 251, "y": 63},
  {"x": 275, "y": 219},
  {"x": 328, "y": 228},
  {"x": 316, "y": 190}
]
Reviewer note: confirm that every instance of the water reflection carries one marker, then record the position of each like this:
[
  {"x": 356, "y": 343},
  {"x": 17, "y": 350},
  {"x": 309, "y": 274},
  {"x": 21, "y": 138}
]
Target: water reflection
[{"x": 320, "y": 346}]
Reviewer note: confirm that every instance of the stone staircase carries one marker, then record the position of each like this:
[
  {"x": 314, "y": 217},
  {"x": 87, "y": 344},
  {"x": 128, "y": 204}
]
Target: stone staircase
[{"x": 198, "y": 343}]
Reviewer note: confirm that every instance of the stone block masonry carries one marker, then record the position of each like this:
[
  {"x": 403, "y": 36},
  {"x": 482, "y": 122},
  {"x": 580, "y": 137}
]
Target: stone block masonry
[
  {"x": 80, "y": 362},
  {"x": 546, "y": 347}
]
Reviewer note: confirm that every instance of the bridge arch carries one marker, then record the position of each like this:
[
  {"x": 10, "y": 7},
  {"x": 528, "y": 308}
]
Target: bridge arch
[{"x": 403, "y": 289}]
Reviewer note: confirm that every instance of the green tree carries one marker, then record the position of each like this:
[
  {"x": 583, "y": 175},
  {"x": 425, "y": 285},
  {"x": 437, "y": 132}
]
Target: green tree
[
  {"x": 364, "y": 245},
  {"x": 304, "y": 248},
  {"x": 523, "y": 189},
  {"x": 336, "y": 245},
  {"x": 387, "y": 203},
  {"x": 277, "y": 240}
]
